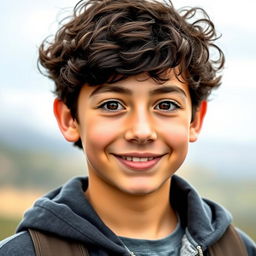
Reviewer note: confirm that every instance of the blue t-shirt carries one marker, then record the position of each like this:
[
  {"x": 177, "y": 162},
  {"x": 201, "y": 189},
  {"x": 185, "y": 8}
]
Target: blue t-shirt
[{"x": 168, "y": 246}]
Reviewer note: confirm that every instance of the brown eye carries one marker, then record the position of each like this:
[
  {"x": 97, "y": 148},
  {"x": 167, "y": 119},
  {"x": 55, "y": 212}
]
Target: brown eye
[
  {"x": 112, "y": 105},
  {"x": 167, "y": 105},
  {"x": 164, "y": 105}
]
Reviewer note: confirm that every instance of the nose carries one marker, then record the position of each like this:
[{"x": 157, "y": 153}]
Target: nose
[{"x": 141, "y": 128}]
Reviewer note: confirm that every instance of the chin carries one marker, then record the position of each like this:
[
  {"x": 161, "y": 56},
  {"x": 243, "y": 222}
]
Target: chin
[{"x": 140, "y": 190}]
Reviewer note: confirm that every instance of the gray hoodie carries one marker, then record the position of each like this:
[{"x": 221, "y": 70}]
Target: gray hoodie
[{"x": 66, "y": 213}]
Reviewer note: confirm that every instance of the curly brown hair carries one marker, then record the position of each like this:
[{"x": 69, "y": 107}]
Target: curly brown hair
[{"x": 108, "y": 40}]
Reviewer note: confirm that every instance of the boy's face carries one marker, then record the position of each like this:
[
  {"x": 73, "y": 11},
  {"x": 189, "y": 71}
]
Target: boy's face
[{"x": 135, "y": 132}]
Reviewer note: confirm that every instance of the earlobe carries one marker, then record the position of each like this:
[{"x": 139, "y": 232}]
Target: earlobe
[
  {"x": 67, "y": 124},
  {"x": 196, "y": 125}
]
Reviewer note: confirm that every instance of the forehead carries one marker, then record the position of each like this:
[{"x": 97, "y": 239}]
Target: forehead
[{"x": 140, "y": 85}]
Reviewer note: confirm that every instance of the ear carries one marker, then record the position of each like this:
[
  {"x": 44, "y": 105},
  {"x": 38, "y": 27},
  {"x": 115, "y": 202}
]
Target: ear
[
  {"x": 67, "y": 124},
  {"x": 196, "y": 125}
]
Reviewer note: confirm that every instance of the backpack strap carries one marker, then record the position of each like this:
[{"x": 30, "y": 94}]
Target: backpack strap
[
  {"x": 46, "y": 244},
  {"x": 229, "y": 244}
]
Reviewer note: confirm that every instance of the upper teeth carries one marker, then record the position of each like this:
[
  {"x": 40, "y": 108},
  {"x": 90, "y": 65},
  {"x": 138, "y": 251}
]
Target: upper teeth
[{"x": 137, "y": 159}]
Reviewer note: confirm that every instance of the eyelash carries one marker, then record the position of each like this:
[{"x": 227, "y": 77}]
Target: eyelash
[
  {"x": 174, "y": 105},
  {"x": 120, "y": 106},
  {"x": 104, "y": 106}
]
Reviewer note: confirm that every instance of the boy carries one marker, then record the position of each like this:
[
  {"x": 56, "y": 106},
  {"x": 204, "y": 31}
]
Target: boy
[{"x": 132, "y": 79}]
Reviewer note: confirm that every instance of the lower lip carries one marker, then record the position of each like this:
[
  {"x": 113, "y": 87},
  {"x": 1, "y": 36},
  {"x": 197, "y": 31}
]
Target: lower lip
[{"x": 139, "y": 165}]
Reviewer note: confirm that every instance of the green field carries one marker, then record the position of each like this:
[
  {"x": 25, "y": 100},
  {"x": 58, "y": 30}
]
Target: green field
[{"x": 8, "y": 227}]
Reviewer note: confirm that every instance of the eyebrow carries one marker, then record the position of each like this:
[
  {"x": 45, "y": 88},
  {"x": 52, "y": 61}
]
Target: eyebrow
[
  {"x": 122, "y": 90},
  {"x": 117, "y": 89},
  {"x": 168, "y": 89}
]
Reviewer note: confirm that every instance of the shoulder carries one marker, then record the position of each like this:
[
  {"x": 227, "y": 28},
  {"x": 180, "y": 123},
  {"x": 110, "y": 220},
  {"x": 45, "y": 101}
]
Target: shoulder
[
  {"x": 249, "y": 243},
  {"x": 19, "y": 244}
]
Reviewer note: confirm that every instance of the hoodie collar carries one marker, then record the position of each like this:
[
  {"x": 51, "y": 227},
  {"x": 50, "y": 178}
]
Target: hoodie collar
[
  {"x": 205, "y": 221},
  {"x": 67, "y": 213}
]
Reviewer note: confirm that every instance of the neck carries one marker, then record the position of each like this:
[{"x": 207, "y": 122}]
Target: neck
[{"x": 147, "y": 216}]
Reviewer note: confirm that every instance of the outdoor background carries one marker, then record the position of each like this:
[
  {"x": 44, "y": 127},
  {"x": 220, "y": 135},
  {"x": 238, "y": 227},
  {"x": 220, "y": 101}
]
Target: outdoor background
[{"x": 34, "y": 157}]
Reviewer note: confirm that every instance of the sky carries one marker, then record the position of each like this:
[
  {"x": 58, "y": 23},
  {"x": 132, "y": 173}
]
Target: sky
[{"x": 26, "y": 97}]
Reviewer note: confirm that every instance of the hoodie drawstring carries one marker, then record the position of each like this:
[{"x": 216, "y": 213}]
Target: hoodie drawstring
[{"x": 200, "y": 251}]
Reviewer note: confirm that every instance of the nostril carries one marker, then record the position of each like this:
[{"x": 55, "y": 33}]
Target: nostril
[
  {"x": 135, "y": 138},
  {"x": 141, "y": 130}
]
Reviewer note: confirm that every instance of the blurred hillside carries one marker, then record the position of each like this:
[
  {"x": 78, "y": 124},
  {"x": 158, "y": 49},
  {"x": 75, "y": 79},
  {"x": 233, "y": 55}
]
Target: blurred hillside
[
  {"x": 31, "y": 164},
  {"x": 38, "y": 169},
  {"x": 31, "y": 160}
]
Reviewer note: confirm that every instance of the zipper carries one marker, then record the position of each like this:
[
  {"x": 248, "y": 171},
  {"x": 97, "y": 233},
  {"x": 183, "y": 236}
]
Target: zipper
[
  {"x": 194, "y": 243},
  {"x": 200, "y": 251},
  {"x": 130, "y": 252}
]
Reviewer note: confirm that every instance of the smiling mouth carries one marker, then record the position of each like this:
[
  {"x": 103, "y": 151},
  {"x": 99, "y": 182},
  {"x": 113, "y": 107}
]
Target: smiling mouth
[
  {"x": 137, "y": 162},
  {"x": 137, "y": 159}
]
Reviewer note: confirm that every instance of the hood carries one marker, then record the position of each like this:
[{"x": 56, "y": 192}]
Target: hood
[
  {"x": 205, "y": 221},
  {"x": 67, "y": 213}
]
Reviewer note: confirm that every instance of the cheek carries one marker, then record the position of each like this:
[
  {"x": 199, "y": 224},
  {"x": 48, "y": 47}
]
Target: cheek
[
  {"x": 175, "y": 134},
  {"x": 97, "y": 134},
  {"x": 176, "y": 137}
]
